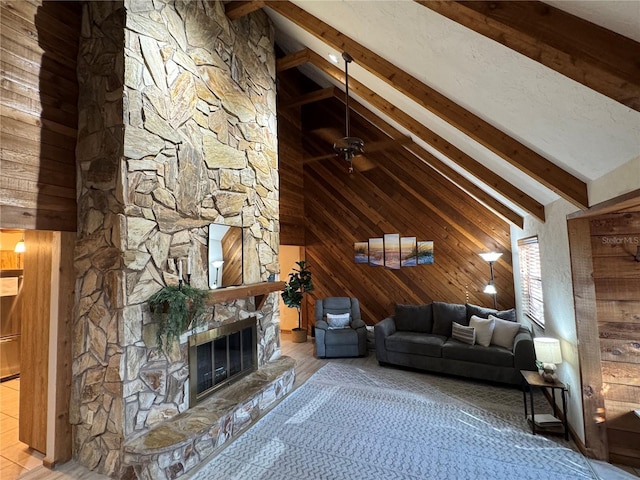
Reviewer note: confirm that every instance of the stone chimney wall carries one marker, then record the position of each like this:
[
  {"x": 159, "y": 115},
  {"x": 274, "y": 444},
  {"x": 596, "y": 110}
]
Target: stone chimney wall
[{"x": 177, "y": 129}]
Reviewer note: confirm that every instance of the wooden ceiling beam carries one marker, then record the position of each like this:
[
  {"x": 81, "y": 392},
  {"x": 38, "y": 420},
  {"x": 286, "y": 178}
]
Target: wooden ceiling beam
[
  {"x": 533, "y": 164},
  {"x": 236, "y": 9},
  {"x": 478, "y": 170},
  {"x": 598, "y": 58},
  {"x": 293, "y": 60},
  {"x": 310, "y": 97}
]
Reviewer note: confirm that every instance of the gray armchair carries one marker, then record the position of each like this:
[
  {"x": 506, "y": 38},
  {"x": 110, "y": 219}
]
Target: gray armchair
[{"x": 340, "y": 342}]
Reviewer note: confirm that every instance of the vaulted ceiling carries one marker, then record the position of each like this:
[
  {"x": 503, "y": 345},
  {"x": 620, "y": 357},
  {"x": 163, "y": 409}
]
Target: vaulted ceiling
[{"x": 517, "y": 103}]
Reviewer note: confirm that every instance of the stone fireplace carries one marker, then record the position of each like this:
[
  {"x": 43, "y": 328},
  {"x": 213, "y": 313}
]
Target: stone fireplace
[{"x": 177, "y": 129}]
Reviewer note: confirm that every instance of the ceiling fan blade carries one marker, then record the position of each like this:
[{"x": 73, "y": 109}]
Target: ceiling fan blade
[
  {"x": 328, "y": 134},
  {"x": 318, "y": 158},
  {"x": 362, "y": 163},
  {"x": 390, "y": 143}
]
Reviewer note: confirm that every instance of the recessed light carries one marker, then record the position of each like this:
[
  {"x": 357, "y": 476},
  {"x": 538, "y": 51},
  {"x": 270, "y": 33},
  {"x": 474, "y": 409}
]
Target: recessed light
[{"x": 333, "y": 58}]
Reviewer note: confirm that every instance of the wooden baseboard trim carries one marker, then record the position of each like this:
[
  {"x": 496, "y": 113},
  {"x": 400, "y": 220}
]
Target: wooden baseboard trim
[{"x": 624, "y": 460}]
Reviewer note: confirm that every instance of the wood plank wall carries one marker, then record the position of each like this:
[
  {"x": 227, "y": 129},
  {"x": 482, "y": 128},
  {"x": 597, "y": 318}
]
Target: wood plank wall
[
  {"x": 290, "y": 162},
  {"x": 615, "y": 239},
  {"x": 401, "y": 195},
  {"x": 10, "y": 260},
  {"x": 342, "y": 209},
  {"x": 38, "y": 114}
]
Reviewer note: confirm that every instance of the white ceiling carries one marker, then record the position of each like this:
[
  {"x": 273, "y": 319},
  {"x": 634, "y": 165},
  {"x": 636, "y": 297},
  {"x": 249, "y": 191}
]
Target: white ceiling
[{"x": 574, "y": 127}]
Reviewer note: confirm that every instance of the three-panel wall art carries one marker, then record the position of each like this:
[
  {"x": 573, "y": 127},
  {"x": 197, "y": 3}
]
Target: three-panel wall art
[{"x": 393, "y": 251}]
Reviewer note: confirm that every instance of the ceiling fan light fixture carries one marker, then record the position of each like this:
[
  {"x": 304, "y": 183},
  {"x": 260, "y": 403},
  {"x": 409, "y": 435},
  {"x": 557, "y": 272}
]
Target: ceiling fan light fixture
[{"x": 349, "y": 147}]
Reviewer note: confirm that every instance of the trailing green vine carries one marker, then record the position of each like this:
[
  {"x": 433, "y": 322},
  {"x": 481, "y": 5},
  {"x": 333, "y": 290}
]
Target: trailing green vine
[{"x": 174, "y": 309}]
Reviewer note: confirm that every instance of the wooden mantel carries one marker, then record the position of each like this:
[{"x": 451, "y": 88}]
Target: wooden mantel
[{"x": 257, "y": 290}]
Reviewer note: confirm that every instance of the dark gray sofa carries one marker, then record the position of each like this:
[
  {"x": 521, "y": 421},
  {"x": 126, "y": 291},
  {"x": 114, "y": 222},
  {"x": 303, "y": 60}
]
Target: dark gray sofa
[{"x": 420, "y": 336}]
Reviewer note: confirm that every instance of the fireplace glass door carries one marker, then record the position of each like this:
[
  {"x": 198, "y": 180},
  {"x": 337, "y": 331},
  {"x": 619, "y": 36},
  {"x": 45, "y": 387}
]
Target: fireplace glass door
[{"x": 220, "y": 356}]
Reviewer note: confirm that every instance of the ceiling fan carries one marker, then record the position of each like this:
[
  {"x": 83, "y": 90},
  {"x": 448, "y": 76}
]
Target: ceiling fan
[
  {"x": 348, "y": 146},
  {"x": 351, "y": 149}
]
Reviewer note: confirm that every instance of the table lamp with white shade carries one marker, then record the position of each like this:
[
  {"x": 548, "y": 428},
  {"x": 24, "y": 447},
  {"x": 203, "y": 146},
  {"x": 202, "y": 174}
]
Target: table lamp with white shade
[{"x": 548, "y": 355}]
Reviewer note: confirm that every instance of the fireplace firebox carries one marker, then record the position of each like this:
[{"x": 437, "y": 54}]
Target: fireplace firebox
[{"x": 221, "y": 356}]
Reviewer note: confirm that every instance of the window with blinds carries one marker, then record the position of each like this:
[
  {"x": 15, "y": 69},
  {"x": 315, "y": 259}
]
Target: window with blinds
[{"x": 531, "y": 278}]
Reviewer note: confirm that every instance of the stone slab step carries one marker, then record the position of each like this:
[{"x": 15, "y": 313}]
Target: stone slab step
[{"x": 173, "y": 447}]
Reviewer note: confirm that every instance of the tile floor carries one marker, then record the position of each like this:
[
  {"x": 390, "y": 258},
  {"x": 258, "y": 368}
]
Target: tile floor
[{"x": 16, "y": 457}]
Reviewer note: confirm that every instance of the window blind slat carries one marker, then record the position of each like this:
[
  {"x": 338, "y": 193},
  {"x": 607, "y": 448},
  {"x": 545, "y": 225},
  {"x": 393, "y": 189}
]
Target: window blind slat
[{"x": 531, "y": 278}]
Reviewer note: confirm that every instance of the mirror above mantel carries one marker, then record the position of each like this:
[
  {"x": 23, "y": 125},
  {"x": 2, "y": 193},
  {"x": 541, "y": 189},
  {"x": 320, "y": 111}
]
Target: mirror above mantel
[
  {"x": 228, "y": 278},
  {"x": 225, "y": 256}
]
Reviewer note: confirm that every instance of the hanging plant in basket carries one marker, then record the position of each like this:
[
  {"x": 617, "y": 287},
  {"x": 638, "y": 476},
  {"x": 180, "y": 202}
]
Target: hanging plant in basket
[{"x": 174, "y": 309}]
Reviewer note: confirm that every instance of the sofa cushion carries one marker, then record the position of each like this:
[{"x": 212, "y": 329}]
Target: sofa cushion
[
  {"x": 483, "y": 328},
  {"x": 414, "y": 318},
  {"x": 342, "y": 336},
  {"x": 446, "y": 313},
  {"x": 338, "y": 320},
  {"x": 484, "y": 312},
  {"x": 504, "y": 332},
  {"x": 336, "y": 305},
  {"x": 415, "y": 343},
  {"x": 493, "y": 355},
  {"x": 464, "y": 334}
]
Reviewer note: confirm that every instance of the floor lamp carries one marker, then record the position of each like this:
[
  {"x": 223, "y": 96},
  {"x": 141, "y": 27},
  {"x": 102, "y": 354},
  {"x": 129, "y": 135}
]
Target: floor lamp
[{"x": 490, "y": 289}]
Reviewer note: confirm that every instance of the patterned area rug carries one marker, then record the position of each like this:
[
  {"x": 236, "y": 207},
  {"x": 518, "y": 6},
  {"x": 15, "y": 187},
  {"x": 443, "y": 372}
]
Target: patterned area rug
[{"x": 349, "y": 423}]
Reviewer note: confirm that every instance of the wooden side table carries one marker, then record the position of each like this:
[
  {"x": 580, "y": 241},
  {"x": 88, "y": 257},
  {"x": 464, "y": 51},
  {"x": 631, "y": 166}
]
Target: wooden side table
[{"x": 534, "y": 379}]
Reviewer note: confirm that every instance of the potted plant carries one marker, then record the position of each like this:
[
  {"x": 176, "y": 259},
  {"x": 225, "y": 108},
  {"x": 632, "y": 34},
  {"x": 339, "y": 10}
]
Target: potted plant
[
  {"x": 299, "y": 283},
  {"x": 174, "y": 308}
]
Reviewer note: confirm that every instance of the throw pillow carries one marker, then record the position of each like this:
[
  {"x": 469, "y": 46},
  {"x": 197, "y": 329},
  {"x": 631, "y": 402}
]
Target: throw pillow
[
  {"x": 414, "y": 318},
  {"x": 446, "y": 313},
  {"x": 509, "y": 315},
  {"x": 478, "y": 311},
  {"x": 484, "y": 312},
  {"x": 462, "y": 333},
  {"x": 484, "y": 329},
  {"x": 504, "y": 332},
  {"x": 338, "y": 320}
]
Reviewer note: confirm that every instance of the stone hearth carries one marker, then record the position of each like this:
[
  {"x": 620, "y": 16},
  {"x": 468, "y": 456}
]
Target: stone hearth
[{"x": 178, "y": 445}]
